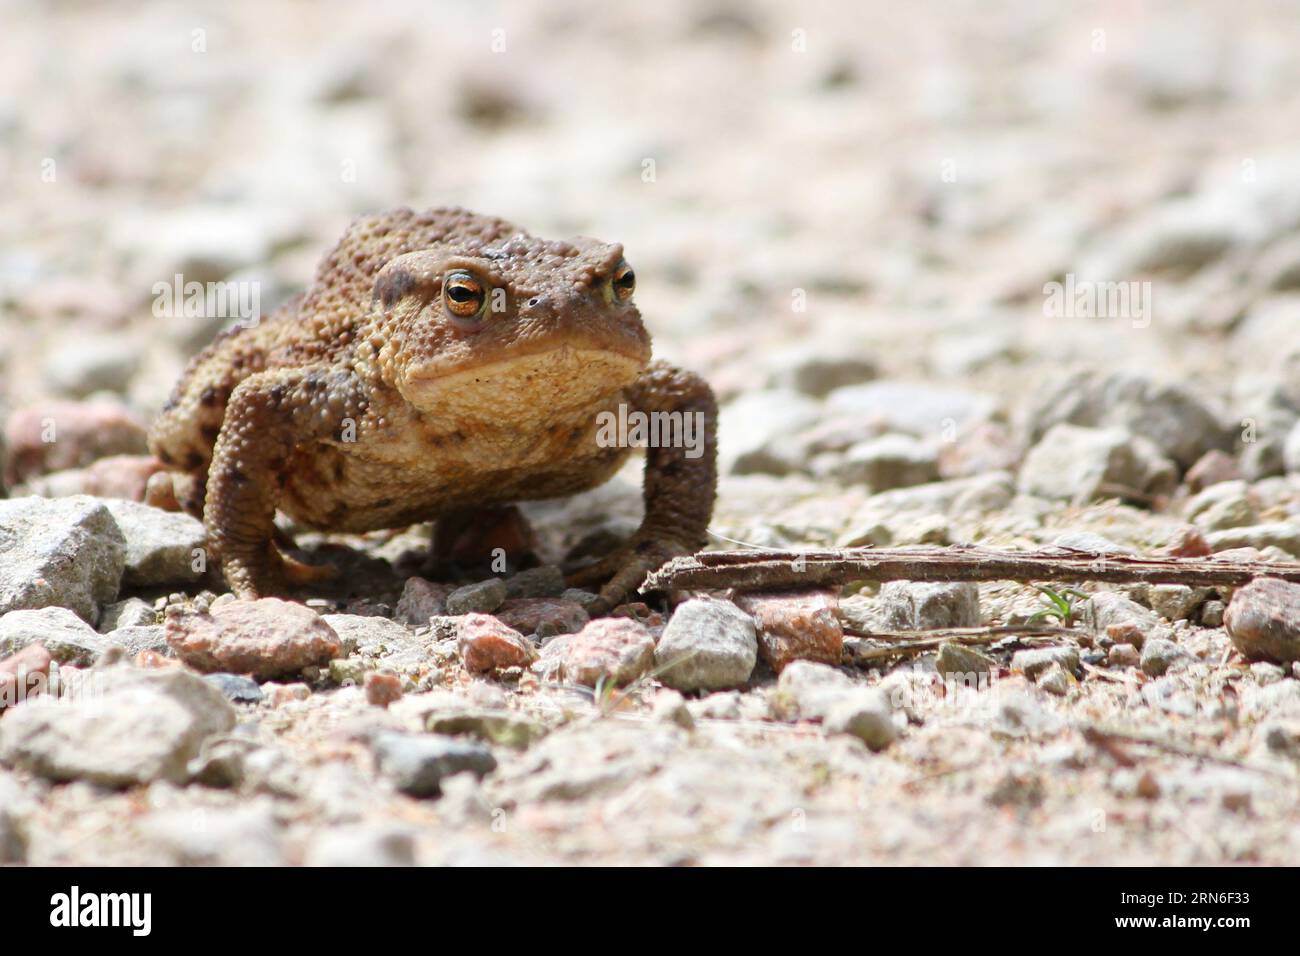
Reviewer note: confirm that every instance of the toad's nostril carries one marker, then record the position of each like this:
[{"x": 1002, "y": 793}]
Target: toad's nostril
[{"x": 534, "y": 300}]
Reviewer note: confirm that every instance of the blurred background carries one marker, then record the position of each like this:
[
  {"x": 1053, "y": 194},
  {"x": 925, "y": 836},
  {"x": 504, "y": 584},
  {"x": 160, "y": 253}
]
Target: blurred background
[{"x": 814, "y": 195}]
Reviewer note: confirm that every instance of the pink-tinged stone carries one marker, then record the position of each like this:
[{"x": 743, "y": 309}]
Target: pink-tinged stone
[
  {"x": 486, "y": 644},
  {"x": 383, "y": 688},
  {"x": 617, "y": 649},
  {"x": 24, "y": 674},
  {"x": 1263, "y": 620},
  {"x": 266, "y": 638},
  {"x": 1210, "y": 469},
  {"x": 546, "y": 616},
  {"x": 1187, "y": 542},
  {"x": 54, "y": 436},
  {"x": 282, "y": 694},
  {"x": 121, "y": 476},
  {"x": 421, "y": 599},
  {"x": 796, "y": 626}
]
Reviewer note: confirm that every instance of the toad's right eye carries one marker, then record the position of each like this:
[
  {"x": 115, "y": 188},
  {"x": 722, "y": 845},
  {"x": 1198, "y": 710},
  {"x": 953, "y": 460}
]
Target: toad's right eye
[{"x": 463, "y": 295}]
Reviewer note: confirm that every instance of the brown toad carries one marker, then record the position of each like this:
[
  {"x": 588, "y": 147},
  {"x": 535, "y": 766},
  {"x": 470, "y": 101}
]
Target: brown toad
[{"x": 442, "y": 364}]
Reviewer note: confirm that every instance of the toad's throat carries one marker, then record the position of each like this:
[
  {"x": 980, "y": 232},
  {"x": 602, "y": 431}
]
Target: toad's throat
[{"x": 521, "y": 387}]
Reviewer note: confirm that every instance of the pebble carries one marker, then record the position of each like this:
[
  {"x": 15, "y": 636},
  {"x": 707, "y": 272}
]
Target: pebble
[
  {"x": 133, "y": 727},
  {"x": 1056, "y": 680},
  {"x": 795, "y": 625},
  {"x": 1159, "y": 655},
  {"x": 1180, "y": 423},
  {"x": 1176, "y": 602},
  {"x": 483, "y": 597},
  {"x": 890, "y": 461},
  {"x": 546, "y": 581},
  {"x": 1036, "y": 661},
  {"x": 707, "y": 644},
  {"x": 806, "y": 691},
  {"x": 162, "y": 547},
  {"x": 267, "y": 638},
  {"x": 54, "y": 436},
  {"x": 1085, "y": 464},
  {"x": 417, "y": 763},
  {"x": 421, "y": 599},
  {"x": 863, "y": 713},
  {"x": 382, "y": 688},
  {"x": 958, "y": 661},
  {"x": 67, "y": 638},
  {"x": 236, "y": 688},
  {"x": 1263, "y": 620},
  {"x": 543, "y": 616},
  {"x": 1284, "y": 535},
  {"x": 23, "y": 674},
  {"x": 1123, "y": 618},
  {"x": 615, "y": 650},
  {"x": 1123, "y": 655},
  {"x": 486, "y": 644},
  {"x": 916, "y": 409},
  {"x": 914, "y": 605},
  {"x": 1212, "y": 468},
  {"x": 494, "y": 725},
  {"x": 670, "y": 707},
  {"x": 65, "y": 552}
]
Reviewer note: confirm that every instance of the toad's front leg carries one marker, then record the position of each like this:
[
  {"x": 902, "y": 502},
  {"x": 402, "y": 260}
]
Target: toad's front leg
[
  {"x": 269, "y": 416},
  {"x": 679, "y": 487}
]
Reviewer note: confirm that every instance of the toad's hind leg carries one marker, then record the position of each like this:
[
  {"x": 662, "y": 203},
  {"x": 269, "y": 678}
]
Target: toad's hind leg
[{"x": 269, "y": 417}]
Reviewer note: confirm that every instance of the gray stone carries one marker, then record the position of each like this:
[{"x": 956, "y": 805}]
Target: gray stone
[
  {"x": 890, "y": 461},
  {"x": 707, "y": 645},
  {"x": 1278, "y": 534},
  {"x": 957, "y": 661},
  {"x": 377, "y": 638},
  {"x": 1160, "y": 654},
  {"x": 124, "y": 727},
  {"x": 483, "y": 597},
  {"x": 911, "y": 605},
  {"x": 1180, "y": 423},
  {"x": 236, "y": 688},
  {"x": 923, "y": 410},
  {"x": 817, "y": 369},
  {"x": 133, "y": 640},
  {"x": 863, "y": 713},
  {"x": 421, "y": 599},
  {"x": 65, "y": 552},
  {"x": 1037, "y": 660},
  {"x": 132, "y": 612},
  {"x": 162, "y": 547},
  {"x": 1055, "y": 680},
  {"x": 544, "y": 581},
  {"x": 80, "y": 366},
  {"x": 807, "y": 690},
  {"x": 1132, "y": 621},
  {"x": 1083, "y": 464},
  {"x": 752, "y": 426},
  {"x": 1176, "y": 602},
  {"x": 417, "y": 763},
  {"x": 68, "y": 638}
]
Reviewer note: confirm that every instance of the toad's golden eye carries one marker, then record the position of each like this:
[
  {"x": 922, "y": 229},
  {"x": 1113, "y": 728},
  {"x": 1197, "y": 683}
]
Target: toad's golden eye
[
  {"x": 463, "y": 295},
  {"x": 624, "y": 282}
]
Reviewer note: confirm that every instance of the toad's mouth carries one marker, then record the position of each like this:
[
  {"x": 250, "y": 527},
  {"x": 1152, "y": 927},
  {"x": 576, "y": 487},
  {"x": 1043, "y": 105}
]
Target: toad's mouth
[{"x": 521, "y": 388}]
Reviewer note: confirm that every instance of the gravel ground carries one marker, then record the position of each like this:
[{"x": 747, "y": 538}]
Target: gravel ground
[{"x": 1005, "y": 273}]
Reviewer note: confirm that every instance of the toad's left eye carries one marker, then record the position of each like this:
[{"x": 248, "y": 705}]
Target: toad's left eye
[
  {"x": 463, "y": 295},
  {"x": 623, "y": 282}
]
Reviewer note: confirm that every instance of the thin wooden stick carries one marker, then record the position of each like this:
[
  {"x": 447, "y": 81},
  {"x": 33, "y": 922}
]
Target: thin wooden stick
[
  {"x": 907, "y": 643},
  {"x": 764, "y": 570}
]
